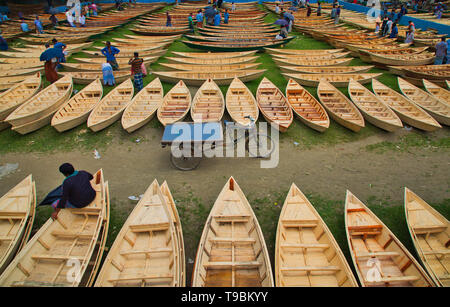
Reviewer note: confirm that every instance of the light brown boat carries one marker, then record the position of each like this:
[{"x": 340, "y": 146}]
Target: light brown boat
[
  {"x": 325, "y": 69},
  {"x": 339, "y": 107},
  {"x": 176, "y": 104},
  {"x": 274, "y": 105},
  {"x": 380, "y": 259},
  {"x": 312, "y": 62},
  {"x": 437, "y": 91},
  {"x": 430, "y": 233},
  {"x": 143, "y": 107},
  {"x": 240, "y": 103},
  {"x": 208, "y": 104},
  {"x": 306, "y": 107},
  {"x": 306, "y": 253},
  {"x": 198, "y": 77},
  {"x": 338, "y": 80},
  {"x": 210, "y": 67},
  {"x": 212, "y": 61},
  {"x": 407, "y": 110},
  {"x": 232, "y": 251},
  {"x": 302, "y": 52}
]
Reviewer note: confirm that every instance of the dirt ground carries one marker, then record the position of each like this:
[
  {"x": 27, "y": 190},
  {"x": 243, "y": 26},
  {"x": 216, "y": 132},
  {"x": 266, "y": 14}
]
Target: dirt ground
[{"x": 326, "y": 171}]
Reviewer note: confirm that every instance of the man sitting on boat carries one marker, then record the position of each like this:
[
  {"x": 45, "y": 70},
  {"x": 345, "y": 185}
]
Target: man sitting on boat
[{"x": 77, "y": 191}]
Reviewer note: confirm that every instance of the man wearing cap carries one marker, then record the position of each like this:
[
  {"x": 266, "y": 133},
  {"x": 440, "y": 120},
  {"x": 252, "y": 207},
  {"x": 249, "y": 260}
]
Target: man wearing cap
[{"x": 77, "y": 190}]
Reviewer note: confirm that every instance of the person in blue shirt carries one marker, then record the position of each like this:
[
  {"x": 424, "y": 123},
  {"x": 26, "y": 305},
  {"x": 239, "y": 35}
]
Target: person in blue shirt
[
  {"x": 38, "y": 24},
  {"x": 394, "y": 31},
  {"x": 392, "y": 15},
  {"x": 110, "y": 52},
  {"x": 226, "y": 16},
  {"x": 217, "y": 19},
  {"x": 199, "y": 18},
  {"x": 61, "y": 46},
  {"x": 24, "y": 26},
  {"x": 3, "y": 43}
]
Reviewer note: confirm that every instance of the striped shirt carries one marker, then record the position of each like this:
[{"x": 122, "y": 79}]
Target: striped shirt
[{"x": 136, "y": 64}]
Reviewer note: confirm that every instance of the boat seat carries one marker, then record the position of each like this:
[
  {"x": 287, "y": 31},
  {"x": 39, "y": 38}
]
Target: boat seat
[
  {"x": 71, "y": 235},
  {"x": 14, "y": 215},
  {"x": 429, "y": 229},
  {"x": 232, "y": 218},
  {"x": 56, "y": 257},
  {"x": 310, "y": 268},
  {"x": 30, "y": 283},
  {"x": 226, "y": 264},
  {"x": 6, "y": 238},
  {"x": 437, "y": 252},
  {"x": 304, "y": 245},
  {"x": 149, "y": 227},
  {"x": 377, "y": 254},
  {"x": 300, "y": 223},
  {"x": 232, "y": 240},
  {"x": 87, "y": 210},
  {"x": 141, "y": 277},
  {"x": 444, "y": 277},
  {"x": 394, "y": 279},
  {"x": 147, "y": 251}
]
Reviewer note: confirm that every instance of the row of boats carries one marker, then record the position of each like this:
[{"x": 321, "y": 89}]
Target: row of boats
[
  {"x": 27, "y": 109},
  {"x": 149, "y": 249}
]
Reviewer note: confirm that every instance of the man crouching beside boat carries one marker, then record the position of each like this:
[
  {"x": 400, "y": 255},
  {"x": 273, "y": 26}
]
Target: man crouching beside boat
[{"x": 77, "y": 191}]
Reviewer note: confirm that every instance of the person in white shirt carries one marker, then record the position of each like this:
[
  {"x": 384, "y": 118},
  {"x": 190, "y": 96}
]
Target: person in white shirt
[
  {"x": 82, "y": 20},
  {"x": 70, "y": 18}
]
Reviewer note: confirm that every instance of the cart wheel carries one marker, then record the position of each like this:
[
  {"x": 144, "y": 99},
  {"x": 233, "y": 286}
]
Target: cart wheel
[{"x": 185, "y": 163}]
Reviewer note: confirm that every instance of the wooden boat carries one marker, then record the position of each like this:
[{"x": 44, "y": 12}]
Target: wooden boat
[
  {"x": 39, "y": 109},
  {"x": 301, "y": 52},
  {"x": 240, "y": 103},
  {"x": 129, "y": 48},
  {"x": 111, "y": 107},
  {"x": 435, "y": 107},
  {"x": 176, "y": 104},
  {"x": 313, "y": 56},
  {"x": 406, "y": 109},
  {"x": 407, "y": 60},
  {"x": 143, "y": 106},
  {"x": 64, "y": 39},
  {"x": 437, "y": 91},
  {"x": 306, "y": 253},
  {"x": 20, "y": 63},
  {"x": 80, "y": 67},
  {"x": 312, "y": 61},
  {"x": 87, "y": 77},
  {"x": 19, "y": 72},
  {"x": 339, "y": 107},
  {"x": 18, "y": 94},
  {"x": 326, "y": 69},
  {"x": 380, "y": 259},
  {"x": 208, "y": 104},
  {"x": 214, "y": 61},
  {"x": 224, "y": 67},
  {"x": 159, "y": 30},
  {"x": 232, "y": 251},
  {"x": 151, "y": 38},
  {"x": 338, "y": 80},
  {"x": 124, "y": 41},
  {"x": 430, "y": 233},
  {"x": 17, "y": 211},
  {"x": 214, "y": 55},
  {"x": 374, "y": 110},
  {"x": 365, "y": 54},
  {"x": 429, "y": 72},
  {"x": 179, "y": 232},
  {"x": 198, "y": 77},
  {"x": 127, "y": 54},
  {"x": 145, "y": 252},
  {"x": 120, "y": 61},
  {"x": 76, "y": 110},
  {"x": 72, "y": 236},
  {"x": 306, "y": 107},
  {"x": 274, "y": 105},
  {"x": 236, "y": 45},
  {"x": 8, "y": 82}
]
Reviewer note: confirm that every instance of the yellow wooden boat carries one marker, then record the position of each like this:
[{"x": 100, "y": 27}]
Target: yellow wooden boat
[
  {"x": 208, "y": 104},
  {"x": 240, "y": 103},
  {"x": 176, "y": 104}
]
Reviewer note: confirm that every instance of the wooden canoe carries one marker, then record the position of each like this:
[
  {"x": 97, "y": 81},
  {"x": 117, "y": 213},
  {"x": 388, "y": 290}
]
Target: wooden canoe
[
  {"x": 198, "y": 77},
  {"x": 76, "y": 110},
  {"x": 306, "y": 107},
  {"x": 18, "y": 72},
  {"x": 49, "y": 257},
  {"x": 274, "y": 105},
  {"x": 437, "y": 92},
  {"x": 365, "y": 54},
  {"x": 214, "y": 55},
  {"x": 430, "y": 233},
  {"x": 374, "y": 110},
  {"x": 131, "y": 49},
  {"x": 48, "y": 39},
  {"x": 208, "y": 104},
  {"x": 306, "y": 253},
  {"x": 39, "y": 109},
  {"x": 339, "y": 107},
  {"x": 111, "y": 107},
  {"x": 80, "y": 67},
  {"x": 18, "y": 94},
  {"x": 407, "y": 60},
  {"x": 240, "y": 102},
  {"x": 131, "y": 41},
  {"x": 17, "y": 211},
  {"x": 326, "y": 69},
  {"x": 232, "y": 251},
  {"x": 312, "y": 56},
  {"x": 143, "y": 107},
  {"x": 151, "y": 38},
  {"x": 435, "y": 107},
  {"x": 179, "y": 232},
  {"x": 176, "y": 104},
  {"x": 224, "y": 67},
  {"x": 312, "y": 61},
  {"x": 120, "y": 61},
  {"x": 380, "y": 259},
  {"x": 8, "y": 82},
  {"x": 128, "y": 54},
  {"x": 338, "y": 80},
  {"x": 407, "y": 110},
  {"x": 301, "y": 52},
  {"x": 158, "y": 30},
  {"x": 87, "y": 77},
  {"x": 145, "y": 252},
  {"x": 20, "y": 63},
  {"x": 212, "y": 61}
]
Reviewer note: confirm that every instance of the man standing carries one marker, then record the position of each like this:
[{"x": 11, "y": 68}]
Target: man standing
[
  {"x": 217, "y": 19},
  {"x": 110, "y": 53},
  {"x": 199, "y": 19},
  {"x": 338, "y": 14},
  {"x": 441, "y": 52},
  {"x": 77, "y": 190},
  {"x": 136, "y": 71},
  {"x": 226, "y": 16},
  {"x": 38, "y": 24},
  {"x": 24, "y": 26},
  {"x": 191, "y": 22},
  {"x": 69, "y": 18}
]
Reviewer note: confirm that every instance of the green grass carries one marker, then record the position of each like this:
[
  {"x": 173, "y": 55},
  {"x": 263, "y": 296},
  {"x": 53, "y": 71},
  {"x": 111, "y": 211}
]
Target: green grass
[{"x": 414, "y": 139}]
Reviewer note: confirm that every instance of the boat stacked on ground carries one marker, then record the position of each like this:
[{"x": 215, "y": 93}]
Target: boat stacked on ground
[
  {"x": 74, "y": 236},
  {"x": 241, "y": 103},
  {"x": 208, "y": 104},
  {"x": 437, "y": 74}
]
